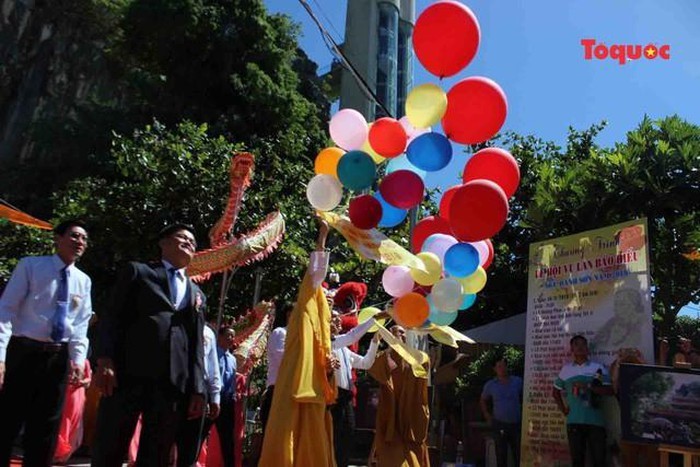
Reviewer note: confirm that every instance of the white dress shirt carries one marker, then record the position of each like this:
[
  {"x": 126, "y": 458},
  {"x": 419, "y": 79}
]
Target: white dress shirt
[
  {"x": 180, "y": 283},
  {"x": 318, "y": 267},
  {"x": 212, "y": 376},
  {"x": 352, "y": 336},
  {"x": 275, "y": 352},
  {"x": 349, "y": 360},
  {"x": 28, "y": 305}
]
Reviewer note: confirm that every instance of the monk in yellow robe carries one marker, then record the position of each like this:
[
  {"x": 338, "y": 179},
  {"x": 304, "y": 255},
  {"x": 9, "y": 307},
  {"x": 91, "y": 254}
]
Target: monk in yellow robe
[
  {"x": 402, "y": 414},
  {"x": 299, "y": 430}
]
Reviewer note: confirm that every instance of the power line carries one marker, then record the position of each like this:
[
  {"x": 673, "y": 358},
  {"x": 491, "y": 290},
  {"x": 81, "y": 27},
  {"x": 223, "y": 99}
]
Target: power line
[
  {"x": 335, "y": 50},
  {"x": 318, "y": 5}
]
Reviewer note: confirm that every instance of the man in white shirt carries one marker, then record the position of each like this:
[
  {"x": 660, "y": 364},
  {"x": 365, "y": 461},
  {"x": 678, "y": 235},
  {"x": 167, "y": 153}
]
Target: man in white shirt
[
  {"x": 44, "y": 315},
  {"x": 343, "y": 411},
  {"x": 275, "y": 352},
  {"x": 192, "y": 435}
]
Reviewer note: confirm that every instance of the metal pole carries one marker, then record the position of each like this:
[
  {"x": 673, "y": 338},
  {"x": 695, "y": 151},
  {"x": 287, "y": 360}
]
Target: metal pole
[
  {"x": 222, "y": 298},
  {"x": 226, "y": 281},
  {"x": 259, "y": 273}
]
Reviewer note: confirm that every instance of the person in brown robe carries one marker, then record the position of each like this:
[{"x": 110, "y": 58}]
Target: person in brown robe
[{"x": 402, "y": 414}]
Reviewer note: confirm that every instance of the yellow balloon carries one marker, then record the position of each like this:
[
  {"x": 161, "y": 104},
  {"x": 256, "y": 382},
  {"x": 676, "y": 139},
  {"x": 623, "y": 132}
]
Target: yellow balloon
[
  {"x": 474, "y": 283},
  {"x": 327, "y": 161},
  {"x": 426, "y": 105},
  {"x": 432, "y": 266},
  {"x": 367, "y": 313}
]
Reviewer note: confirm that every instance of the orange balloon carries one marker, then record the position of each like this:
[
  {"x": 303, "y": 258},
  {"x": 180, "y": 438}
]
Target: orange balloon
[
  {"x": 411, "y": 310},
  {"x": 327, "y": 161}
]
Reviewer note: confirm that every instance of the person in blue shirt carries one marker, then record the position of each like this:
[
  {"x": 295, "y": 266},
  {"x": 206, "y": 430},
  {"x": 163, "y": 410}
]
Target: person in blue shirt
[
  {"x": 44, "y": 314},
  {"x": 505, "y": 392},
  {"x": 583, "y": 382},
  {"x": 226, "y": 419}
]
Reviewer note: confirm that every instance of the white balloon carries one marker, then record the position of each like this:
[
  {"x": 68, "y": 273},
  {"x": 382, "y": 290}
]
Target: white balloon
[
  {"x": 447, "y": 295},
  {"x": 324, "y": 192}
]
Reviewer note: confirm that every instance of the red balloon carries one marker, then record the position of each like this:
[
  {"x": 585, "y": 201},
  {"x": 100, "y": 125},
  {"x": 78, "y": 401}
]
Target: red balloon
[
  {"x": 494, "y": 164},
  {"x": 446, "y": 200},
  {"x": 425, "y": 228},
  {"x": 388, "y": 137},
  {"x": 446, "y": 37},
  {"x": 402, "y": 189},
  {"x": 478, "y": 211},
  {"x": 365, "y": 212},
  {"x": 476, "y": 110},
  {"x": 489, "y": 259}
]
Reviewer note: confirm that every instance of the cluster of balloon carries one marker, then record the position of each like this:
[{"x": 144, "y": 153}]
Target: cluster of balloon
[{"x": 455, "y": 245}]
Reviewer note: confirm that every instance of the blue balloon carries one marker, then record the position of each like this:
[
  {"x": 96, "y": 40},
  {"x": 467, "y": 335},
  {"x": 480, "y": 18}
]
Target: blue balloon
[
  {"x": 461, "y": 260},
  {"x": 430, "y": 152},
  {"x": 439, "y": 317},
  {"x": 356, "y": 170},
  {"x": 391, "y": 216},
  {"x": 402, "y": 163},
  {"x": 469, "y": 300}
]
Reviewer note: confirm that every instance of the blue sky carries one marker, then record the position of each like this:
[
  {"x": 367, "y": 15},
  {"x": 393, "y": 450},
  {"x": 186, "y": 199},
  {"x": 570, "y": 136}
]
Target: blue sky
[{"x": 532, "y": 48}]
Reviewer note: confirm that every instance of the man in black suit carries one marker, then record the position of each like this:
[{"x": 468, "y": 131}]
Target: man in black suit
[{"x": 150, "y": 355}]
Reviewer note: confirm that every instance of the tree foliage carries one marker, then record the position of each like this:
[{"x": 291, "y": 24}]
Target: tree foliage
[{"x": 655, "y": 174}]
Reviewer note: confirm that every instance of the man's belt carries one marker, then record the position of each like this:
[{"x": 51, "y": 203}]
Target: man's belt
[{"x": 39, "y": 346}]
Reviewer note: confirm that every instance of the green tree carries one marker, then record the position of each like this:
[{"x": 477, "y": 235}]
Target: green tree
[{"x": 655, "y": 174}]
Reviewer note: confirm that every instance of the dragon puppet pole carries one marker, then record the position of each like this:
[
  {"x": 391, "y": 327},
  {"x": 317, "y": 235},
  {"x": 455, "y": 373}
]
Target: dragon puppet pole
[
  {"x": 259, "y": 272},
  {"x": 226, "y": 280}
]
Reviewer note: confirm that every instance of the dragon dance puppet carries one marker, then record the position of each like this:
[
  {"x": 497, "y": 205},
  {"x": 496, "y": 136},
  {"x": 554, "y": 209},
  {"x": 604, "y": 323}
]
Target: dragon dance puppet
[{"x": 228, "y": 251}]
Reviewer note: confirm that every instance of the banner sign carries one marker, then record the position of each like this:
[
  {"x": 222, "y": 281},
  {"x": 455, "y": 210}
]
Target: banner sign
[{"x": 596, "y": 284}]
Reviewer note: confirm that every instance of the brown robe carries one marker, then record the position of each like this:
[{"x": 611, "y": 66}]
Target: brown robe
[{"x": 402, "y": 414}]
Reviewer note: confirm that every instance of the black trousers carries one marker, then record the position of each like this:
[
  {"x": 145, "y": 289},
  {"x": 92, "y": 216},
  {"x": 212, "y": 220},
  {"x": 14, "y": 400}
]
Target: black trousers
[
  {"x": 343, "y": 427},
  {"x": 583, "y": 437},
  {"x": 225, "y": 424},
  {"x": 266, "y": 405},
  {"x": 33, "y": 394},
  {"x": 189, "y": 441},
  {"x": 506, "y": 435},
  {"x": 163, "y": 410}
]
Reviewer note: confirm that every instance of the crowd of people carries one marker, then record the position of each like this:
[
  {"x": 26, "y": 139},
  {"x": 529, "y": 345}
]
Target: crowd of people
[{"x": 166, "y": 374}]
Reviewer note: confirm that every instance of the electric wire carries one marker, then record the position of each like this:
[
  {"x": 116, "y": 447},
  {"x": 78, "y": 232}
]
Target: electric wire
[{"x": 335, "y": 50}]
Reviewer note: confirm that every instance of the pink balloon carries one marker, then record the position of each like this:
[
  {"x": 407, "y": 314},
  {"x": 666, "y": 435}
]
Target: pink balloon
[
  {"x": 439, "y": 244},
  {"x": 425, "y": 228},
  {"x": 483, "y": 249},
  {"x": 411, "y": 131},
  {"x": 476, "y": 110},
  {"x": 492, "y": 253},
  {"x": 494, "y": 164},
  {"x": 397, "y": 281},
  {"x": 402, "y": 189},
  {"x": 348, "y": 129}
]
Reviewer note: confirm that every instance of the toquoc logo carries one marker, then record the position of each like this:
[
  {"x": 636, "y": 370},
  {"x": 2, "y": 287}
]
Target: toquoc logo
[{"x": 623, "y": 52}]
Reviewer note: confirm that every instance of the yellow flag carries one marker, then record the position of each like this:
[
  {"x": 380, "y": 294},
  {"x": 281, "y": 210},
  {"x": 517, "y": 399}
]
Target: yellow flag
[
  {"x": 372, "y": 244},
  {"x": 415, "y": 358}
]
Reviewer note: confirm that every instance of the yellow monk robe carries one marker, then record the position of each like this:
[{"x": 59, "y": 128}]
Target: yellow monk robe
[
  {"x": 299, "y": 430},
  {"x": 402, "y": 414}
]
